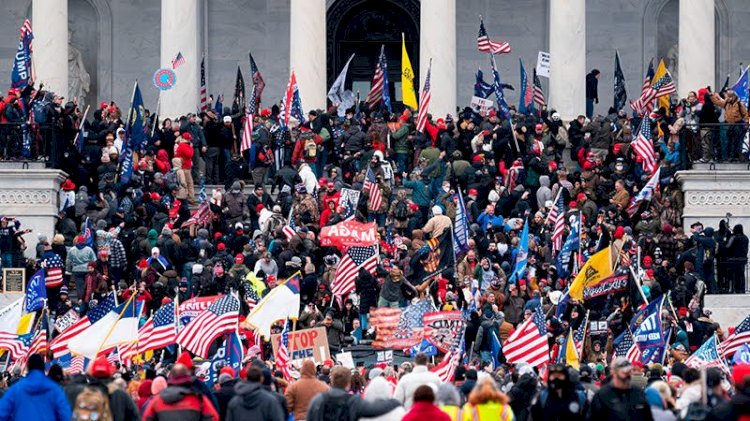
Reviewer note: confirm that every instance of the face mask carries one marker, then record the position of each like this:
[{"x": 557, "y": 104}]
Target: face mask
[
  {"x": 619, "y": 167},
  {"x": 486, "y": 147},
  {"x": 557, "y": 384}
]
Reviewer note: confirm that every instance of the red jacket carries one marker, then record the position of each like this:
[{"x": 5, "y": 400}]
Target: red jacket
[
  {"x": 179, "y": 404},
  {"x": 425, "y": 411},
  {"x": 185, "y": 152},
  {"x": 161, "y": 163}
]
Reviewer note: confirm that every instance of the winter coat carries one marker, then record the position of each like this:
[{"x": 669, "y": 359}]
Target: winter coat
[
  {"x": 367, "y": 289},
  {"x": 185, "y": 152},
  {"x": 409, "y": 383},
  {"x": 78, "y": 259},
  {"x": 253, "y": 402},
  {"x": 611, "y": 405},
  {"x": 176, "y": 403},
  {"x": 354, "y": 139},
  {"x": 425, "y": 411},
  {"x": 358, "y": 408},
  {"x": 35, "y": 397},
  {"x": 300, "y": 393}
]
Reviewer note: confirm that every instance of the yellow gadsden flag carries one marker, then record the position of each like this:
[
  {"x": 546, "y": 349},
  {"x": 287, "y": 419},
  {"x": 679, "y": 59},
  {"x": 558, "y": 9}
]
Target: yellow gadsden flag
[
  {"x": 661, "y": 70},
  {"x": 408, "y": 96},
  {"x": 596, "y": 269},
  {"x": 571, "y": 354}
]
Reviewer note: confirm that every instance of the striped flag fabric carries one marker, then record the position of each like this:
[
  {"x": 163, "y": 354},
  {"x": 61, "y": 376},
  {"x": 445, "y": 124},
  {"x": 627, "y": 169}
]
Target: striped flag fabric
[
  {"x": 247, "y": 132},
  {"x": 59, "y": 345},
  {"x": 529, "y": 342},
  {"x": 348, "y": 267},
  {"x": 735, "y": 341},
  {"x": 77, "y": 365},
  {"x": 424, "y": 101},
  {"x": 251, "y": 298},
  {"x": 580, "y": 334},
  {"x": 220, "y": 317},
  {"x": 39, "y": 342},
  {"x": 486, "y": 45},
  {"x": 25, "y": 28},
  {"x": 200, "y": 216},
  {"x": 641, "y": 107},
  {"x": 379, "y": 89},
  {"x": 160, "y": 329},
  {"x": 54, "y": 267},
  {"x": 646, "y": 193},
  {"x": 539, "y": 99},
  {"x": 625, "y": 346},
  {"x": 16, "y": 345},
  {"x": 644, "y": 147},
  {"x": 400, "y": 328},
  {"x": 178, "y": 60},
  {"x": 257, "y": 77},
  {"x": 557, "y": 217},
  {"x": 282, "y": 354},
  {"x": 370, "y": 185},
  {"x": 203, "y": 92},
  {"x": 452, "y": 359},
  {"x": 291, "y": 105},
  {"x": 663, "y": 86}
]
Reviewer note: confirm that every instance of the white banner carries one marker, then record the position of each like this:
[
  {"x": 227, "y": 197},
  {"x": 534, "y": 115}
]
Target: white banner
[
  {"x": 542, "y": 64},
  {"x": 481, "y": 104}
]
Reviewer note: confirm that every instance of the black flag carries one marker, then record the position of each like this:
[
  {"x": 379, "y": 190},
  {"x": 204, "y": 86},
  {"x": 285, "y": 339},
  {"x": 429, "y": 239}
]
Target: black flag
[
  {"x": 239, "y": 90},
  {"x": 621, "y": 96},
  {"x": 435, "y": 257}
]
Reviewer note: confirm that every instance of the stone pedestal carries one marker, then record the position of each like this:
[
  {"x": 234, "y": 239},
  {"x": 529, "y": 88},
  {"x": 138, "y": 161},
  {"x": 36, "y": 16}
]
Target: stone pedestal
[
  {"x": 697, "y": 46},
  {"x": 307, "y": 51},
  {"x": 437, "y": 41},
  {"x": 31, "y": 196},
  {"x": 715, "y": 192},
  {"x": 567, "y": 47},
  {"x": 50, "y": 45},
  {"x": 180, "y": 33}
]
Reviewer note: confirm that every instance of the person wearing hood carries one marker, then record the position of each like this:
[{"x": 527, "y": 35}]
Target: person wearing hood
[
  {"x": 235, "y": 206},
  {"x": 253, "y": 401},
  {"x": 300, "y": 393},
  {"x": 77, "y": 262},
  {"x": 161, "y": 162},
  {"x": 560, "y": 400},
  {"x": 226, "y": 391},
  {"x": 341, "y": 405},
  {"x": 179, "y": 401},
  {"x": 35, "y": 397}
]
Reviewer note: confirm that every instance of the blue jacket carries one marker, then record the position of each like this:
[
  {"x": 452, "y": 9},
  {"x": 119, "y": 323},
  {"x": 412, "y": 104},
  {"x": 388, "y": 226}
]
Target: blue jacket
[{"x": 35, "y": 398}]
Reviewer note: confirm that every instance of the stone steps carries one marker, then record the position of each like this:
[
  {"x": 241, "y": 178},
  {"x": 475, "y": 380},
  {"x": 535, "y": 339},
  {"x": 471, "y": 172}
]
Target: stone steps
[{"x": 728, "y": 309}]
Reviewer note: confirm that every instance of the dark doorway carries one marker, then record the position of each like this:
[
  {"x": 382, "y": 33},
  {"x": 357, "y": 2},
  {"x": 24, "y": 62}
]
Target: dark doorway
[{"x": 362, "y": 27}]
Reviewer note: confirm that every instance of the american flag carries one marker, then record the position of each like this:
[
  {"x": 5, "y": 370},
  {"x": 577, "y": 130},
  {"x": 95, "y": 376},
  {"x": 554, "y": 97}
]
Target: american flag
[
  {"x": 178, "y": 60},
  {"x": 486, "y": 45},
  {"x": 539, "y": 99},
  {"x": 26, "y": 28},
  {"x": 580, "y": 334},
  {"x": 247, "y": 132},
  {"x": 17, "y": 345},
  {"x": 527, "y": 87},
  {"x": 54, "y": 266},
  {"x": 282, "y": 353},
  {"x": 291, "y": 106},
  {"x": 379, "y": 90},
  {"x": 114, "y": 356},
  {"x": 203, "y": 91},
  {"x": 644, "y": 147},
  {"x": 646, "y": 193},
  {"x": 663, "y": 86},
  {"x": 347, "y": 270},
  {"x": 251, "y": 298},
  {"x": 452, "y": 359},
  {"x": 39, "y": 342},
  {"x": 290, "y": 229},
  {"x": 740, "y": 337},
  {"x": 257, "y": 77},
  {"x": 399, "y": 328},
  {"x": 529, "y": 342},
  {"x": 200, "y": 216},
  {"x": 222, "y": 316},
  {"x": 637, "y": 105},
  {"x": 375, "y": 200},
  {"x": 59, "y": 345},
  {"x": 77, "y": 365},
  {"x": 626, "y": 347},
  {"x": 557, "y": 217},
  {"x": 160, "y": 329},
  {"x": 424, "y": 101}
]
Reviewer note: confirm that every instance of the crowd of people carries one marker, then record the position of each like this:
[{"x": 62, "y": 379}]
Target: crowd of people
[{"x": 145, "y": 237}]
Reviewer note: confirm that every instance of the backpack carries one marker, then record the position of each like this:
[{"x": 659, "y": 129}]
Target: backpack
[
  {"x": 401, "y": 212},
  {"x": 310, "y": 149},
  {"x": 170, "y": 178},
  {"x": 335, "y": 408},
  {"x": 92, "y": 404}
]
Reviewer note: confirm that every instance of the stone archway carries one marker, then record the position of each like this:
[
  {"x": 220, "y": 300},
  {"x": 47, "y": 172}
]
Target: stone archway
[{"x": 361, "y": 27}]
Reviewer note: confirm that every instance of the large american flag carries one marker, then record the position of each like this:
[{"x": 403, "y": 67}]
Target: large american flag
[
  {"x": 59, "y": 345},
  {"x": 347, "y": 270},
  {"x": 203, "y": 92},
  {"x": 557, "y": 217},
  {"x": 200, "y": 216},
  {"x": 486, "y": 45},
  {"x": 424, "y": 101},
  {"x": 17, "y": 345},
  {"x": 247, "y": 131},
  {"x": 54, "y": 266},
  {"x": 644, "y": 147},
  {"x": 400, "y": 328},
  {"x": 740, "y": 337},
  {"x": 539, "y": 99},
  {"x": 378, "y": 88},
  {"x": 370, "y": 185},
  {"x": 257, "y": 77},
  {"x": 644, "y": 107},
  {"x": 178, "y": 60},
  {"x": 529, "y": 342},
  {"x": 220, "y": 317},
  {"x": 627, "y": 348},
  {"x": 663, "y": 86},
  {"x": 282, "y": 353},
  {"x": 160, "y": 329}
]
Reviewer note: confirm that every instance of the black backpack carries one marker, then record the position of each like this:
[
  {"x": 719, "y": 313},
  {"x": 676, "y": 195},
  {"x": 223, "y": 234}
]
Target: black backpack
[
  {"x": 401, "y": 212},
  {"x": 335, "y": 408}
]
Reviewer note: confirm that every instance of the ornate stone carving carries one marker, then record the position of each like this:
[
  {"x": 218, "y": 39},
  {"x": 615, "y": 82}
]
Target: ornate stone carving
[
  {"x": 26, "y": 197},
  {"x": 717, "y": 198}
]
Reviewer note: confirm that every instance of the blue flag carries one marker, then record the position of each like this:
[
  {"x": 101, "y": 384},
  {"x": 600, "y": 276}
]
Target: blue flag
[
  {"x": 498, "y": 86},
  {"x": 571, "y": 243},
  {"x": 36, "y": 292},
  {"x": 386, "y": 93},
  {"x": 522, "y": 257},
  {"x": 639, "y": 317},
  {"x": 649, "y": 333},
  {"x": 496, "y": 348},
  {"x": 482, "y": 89},
  {"x": 461, "y": 227},
  {"x": 655, "y": 354},
  {"x": 742, "y": 356},
  {"x": 135, "y": 126},
  {"x": 21, "y": 74},
  {"x": 741, "y": 87},
  {"x": 424, "y": 347},
  {"x": 89, "y": 233},
  {"x": 219, "y": 107},
  {"x": 524, "y": 99},
  {"x": 229, "y": 355}
]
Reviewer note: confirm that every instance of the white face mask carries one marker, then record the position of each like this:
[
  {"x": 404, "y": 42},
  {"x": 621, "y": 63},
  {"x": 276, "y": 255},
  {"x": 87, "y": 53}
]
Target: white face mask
[{"x": 619, "y": 167}]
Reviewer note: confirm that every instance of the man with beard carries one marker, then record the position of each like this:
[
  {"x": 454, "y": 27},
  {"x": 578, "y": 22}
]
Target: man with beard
[
  {"x": 617, "y": 400},
  {"x": 560, "y": 400}
]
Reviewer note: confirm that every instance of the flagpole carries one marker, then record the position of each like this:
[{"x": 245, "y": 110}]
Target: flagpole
[
  {"x": 638, "y": 284},
  {"x": 119, "y": 317},
  {"x": 80, "y": 125},
  {"x": 156, "y": 116}
]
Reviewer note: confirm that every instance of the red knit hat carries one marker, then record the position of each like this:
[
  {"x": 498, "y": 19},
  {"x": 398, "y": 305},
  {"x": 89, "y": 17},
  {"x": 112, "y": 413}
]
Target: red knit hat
[
  {"x": 239, "y": 259},
  {"x": 80, "y": 239},
  {"x": 221, "y": 247},
  {"x": 101, "y": 368},
  {"x": 619, "y": 232},
  {"x": 185, "y": 360},
  {"x": 187, "y": 136}
]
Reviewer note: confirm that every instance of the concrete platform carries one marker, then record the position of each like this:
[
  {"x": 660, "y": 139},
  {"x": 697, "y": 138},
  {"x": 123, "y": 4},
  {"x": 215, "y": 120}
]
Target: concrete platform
[{"x": 728, "y": 309}]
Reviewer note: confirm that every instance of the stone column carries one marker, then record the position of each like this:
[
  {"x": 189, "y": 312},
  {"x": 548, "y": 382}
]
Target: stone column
[
  {"x": 50, "y": 45},
  {"x": 307, "y": 51},
  {"x": 437, "y": 41},
  {"x": 697, "y": 46},
  {"x": 567, "y": 45},
  {"x": 180, "y": 33}
]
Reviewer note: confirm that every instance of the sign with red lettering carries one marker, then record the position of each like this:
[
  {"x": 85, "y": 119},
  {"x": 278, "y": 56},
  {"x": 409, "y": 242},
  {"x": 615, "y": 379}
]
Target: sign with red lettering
[
  {"x": 305, "y": 344},
  {"x": 349, "y": 233}
]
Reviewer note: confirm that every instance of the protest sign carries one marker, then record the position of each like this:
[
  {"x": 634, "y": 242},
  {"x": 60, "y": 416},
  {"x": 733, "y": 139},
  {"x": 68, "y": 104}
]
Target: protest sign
[{"x": 305, "y": 344}]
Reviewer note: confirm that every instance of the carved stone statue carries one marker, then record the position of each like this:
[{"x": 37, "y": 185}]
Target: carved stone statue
[
  {"x": 672, "y": 59},
  {"x": 79, "y": 80}
]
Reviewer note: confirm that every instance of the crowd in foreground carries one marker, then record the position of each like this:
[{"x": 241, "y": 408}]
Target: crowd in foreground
[{"x": 507, "y": 172}]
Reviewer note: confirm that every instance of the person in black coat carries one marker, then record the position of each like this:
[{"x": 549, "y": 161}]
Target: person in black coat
[
  {"x": 592, "y": 91},
  {"x": 368, "y": 289},
  {"x": 737, "y": 248},
  {"x": 253, "y": 401},
  {"x": 225, "y": 393},
  {"x": 617, "y": 400}
]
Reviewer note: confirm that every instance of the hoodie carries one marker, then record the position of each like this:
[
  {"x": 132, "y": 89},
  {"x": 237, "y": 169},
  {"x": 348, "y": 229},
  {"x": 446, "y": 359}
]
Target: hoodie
[
  {"x": 544, "y": 193},
  {"x": 179, "y": 403},
  {"x": 300, "y": 393},
  {"x": 35, "y": 397},
  {"x": 253, "y": 402}
]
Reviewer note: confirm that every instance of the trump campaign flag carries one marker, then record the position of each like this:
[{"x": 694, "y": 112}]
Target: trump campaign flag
[
  {"x": 21, "y": 76},
  {"x": 741, "y": 87},
  {"x": 280, "y": 303},
  {"x": 36, "y": 292},
  {"x": 229, "y": 355}
]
